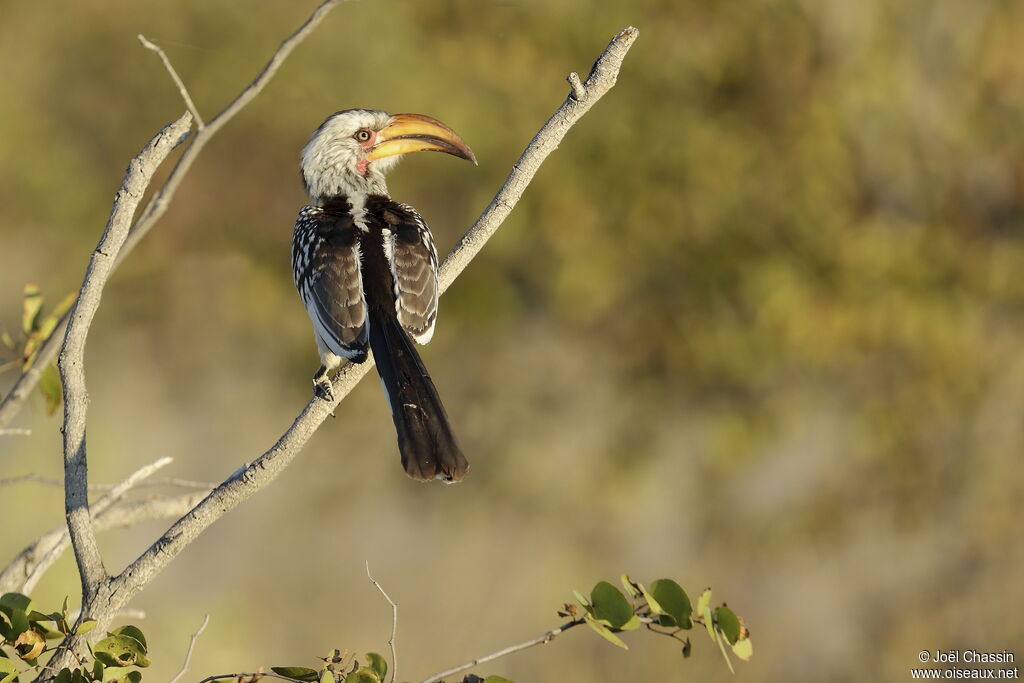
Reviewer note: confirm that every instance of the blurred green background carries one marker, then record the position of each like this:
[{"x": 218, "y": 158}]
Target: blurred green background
[{"x": 756, "y": 324}]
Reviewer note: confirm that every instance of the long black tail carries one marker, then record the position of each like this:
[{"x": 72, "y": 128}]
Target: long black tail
[{"x": 425, "y": 438}]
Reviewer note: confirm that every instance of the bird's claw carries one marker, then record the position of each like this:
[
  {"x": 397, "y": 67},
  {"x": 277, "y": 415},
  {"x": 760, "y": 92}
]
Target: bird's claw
[
  {"x": 322, "y": 385},
  {"x": 323, "y": 389}
]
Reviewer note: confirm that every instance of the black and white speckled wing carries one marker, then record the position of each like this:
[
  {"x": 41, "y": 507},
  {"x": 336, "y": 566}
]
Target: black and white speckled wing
[
  {"x": 414, "y": 267},
  {"x": 326, "y": 268}
]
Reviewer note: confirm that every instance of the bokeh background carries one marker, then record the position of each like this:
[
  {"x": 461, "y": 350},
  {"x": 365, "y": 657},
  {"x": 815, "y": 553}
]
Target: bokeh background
[{"x": 758, "y": 324}]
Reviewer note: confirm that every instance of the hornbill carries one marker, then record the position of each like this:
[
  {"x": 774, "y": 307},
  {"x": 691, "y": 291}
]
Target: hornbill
[{"x": 366, "y": 269}]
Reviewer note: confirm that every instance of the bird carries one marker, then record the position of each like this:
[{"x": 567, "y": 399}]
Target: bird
[{"x": 365, "y": 267}]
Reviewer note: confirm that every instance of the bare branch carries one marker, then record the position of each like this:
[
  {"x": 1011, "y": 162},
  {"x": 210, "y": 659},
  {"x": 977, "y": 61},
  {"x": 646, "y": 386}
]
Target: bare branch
[
  {"x": 539, "y": 640},
  {"x": 71, "y": 363},
  {"x": 601, "y": 79},
  {"x": 34, "y": 478},
  {"x": 174, "y": 77},
  {"x": 394, "y": 623},
  {"x": 157, "y": 206},
  {"x": 39, "y": 556},
  {"x": 34, "y": 573},
  {"x": 118, "y": 491},
  {"x": 268, "y": 466},
  {"x": 191, "y": 646}
]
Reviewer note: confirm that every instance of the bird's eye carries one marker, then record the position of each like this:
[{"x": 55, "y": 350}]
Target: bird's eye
[{"x": 362, "y": 135}]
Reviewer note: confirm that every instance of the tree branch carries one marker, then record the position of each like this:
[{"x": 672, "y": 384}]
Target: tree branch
[
  {"x": 601, "y": 79},
  {"x": 146, "y": 43},
  {"x": 191, "y": 646},
  {"x": 33, "y": 562},
  {"x": 265, "y": 469},
  {"x": 157, "y": 206},
  {"x": 394, "y": 624},
  {"x": 35, "y": 573},
  {"x": 119, "y": 590},
  {"x": 72, "y": 356},
  {"x": 34, "y": 478},
  {"x": 539, "y": 640}
]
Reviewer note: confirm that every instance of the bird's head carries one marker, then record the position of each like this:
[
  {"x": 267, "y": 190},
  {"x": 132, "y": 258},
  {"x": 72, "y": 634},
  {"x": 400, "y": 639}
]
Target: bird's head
[{"x": 352, "y": 150}]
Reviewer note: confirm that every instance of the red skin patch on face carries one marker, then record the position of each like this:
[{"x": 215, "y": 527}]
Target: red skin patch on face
[{"x": 363, "y": 163}]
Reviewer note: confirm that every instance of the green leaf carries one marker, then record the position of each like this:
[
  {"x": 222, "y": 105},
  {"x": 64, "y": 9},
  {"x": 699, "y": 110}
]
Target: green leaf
[
  {"x": 327, "y": 676},
  {"x": 728, "y": 624},
  {"x": 119, "y": 651},
  {"x": 721, "y": 646},
  {"x": 299, "y": 673},
  {"x": 97, "y": 670},
  {"x": 15, "y": 601},
  {"x": 363, "y": 675},
  {"x": 378, "y": 664},
  {"x": 610, "y": 605},
  {"x": 743, "y": 649},
  {"x": 133, "y": 677},
  {"x": 114, "y": 673},
  {"x": 496, "y": 679},
  {"x": 30, "y": 307},
  {"x": 50, "y": 387},
  {"x": 709, "y": 623},
  {"x": 7, "y": 668},
  {"x": 86, "y": 626},
  {"x": 18, "y": 621},
  {"x": 632, "y": 589},
  {"x": 64, "y": 676},
  {"x": 604, "y": 632},
  {"x": 673, "y": 601},
  {"x": 582, "y": 600},
  {"x": 133, "y": 632},
  {"x": 704, "y": 601},
  {"x": 686, "y": 648},
  {"x": 49, "y": 633},
  {"x": 631, "y": 625},
  {"x": 48, "y": 324},
  {"x": 655, "y": 606},
  {"x": 7, "y": 341}
]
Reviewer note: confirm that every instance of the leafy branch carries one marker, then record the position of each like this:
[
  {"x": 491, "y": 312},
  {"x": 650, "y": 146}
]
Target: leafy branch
[
  {"x": 664, "y": 609},
  {"x": 24, "y": 632}
]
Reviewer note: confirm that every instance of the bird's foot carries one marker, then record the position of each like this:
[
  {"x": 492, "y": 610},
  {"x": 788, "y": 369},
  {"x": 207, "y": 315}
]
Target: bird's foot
[{"x": 322, "y": 385}]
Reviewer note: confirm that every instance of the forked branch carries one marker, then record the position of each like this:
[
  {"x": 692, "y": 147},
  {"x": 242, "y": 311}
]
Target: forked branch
[{"x": 103, "y": 595}]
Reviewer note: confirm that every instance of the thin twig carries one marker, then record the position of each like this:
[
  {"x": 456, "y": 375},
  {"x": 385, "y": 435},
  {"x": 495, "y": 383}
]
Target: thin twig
[
  {"x": 259, "y": 674},
  {"x": 191, "y": 645},
  {"x": 539, "y": 640},
  {"x": 34, "y": 478},
  {"x": 97, "y": 509},
  {"x": 394, "y": 623},
  {"x": 146, "y": 43},
  {"x": 118, "y": 490},
  {"x": 157, "y": 206},
  {"x": 38, "y": 556}
]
